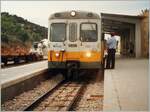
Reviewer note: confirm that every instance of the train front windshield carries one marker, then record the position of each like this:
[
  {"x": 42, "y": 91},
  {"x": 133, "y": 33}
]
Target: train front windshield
[
  {"x": 58, "y": 32},
  {"x": 88, "y": 32}
]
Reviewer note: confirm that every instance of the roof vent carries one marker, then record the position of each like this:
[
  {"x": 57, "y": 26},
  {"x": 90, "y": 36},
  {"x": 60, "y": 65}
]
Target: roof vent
[
  {"x": 57, "y": 15},
  {"x": 90, "y": 14}
]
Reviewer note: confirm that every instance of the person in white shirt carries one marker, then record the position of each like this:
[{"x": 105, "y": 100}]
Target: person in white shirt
[{"x": 111, "y": 50}]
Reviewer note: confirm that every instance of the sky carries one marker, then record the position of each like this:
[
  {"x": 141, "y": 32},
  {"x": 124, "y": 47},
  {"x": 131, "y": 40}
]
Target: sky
[{"x": 39, "y": 11}]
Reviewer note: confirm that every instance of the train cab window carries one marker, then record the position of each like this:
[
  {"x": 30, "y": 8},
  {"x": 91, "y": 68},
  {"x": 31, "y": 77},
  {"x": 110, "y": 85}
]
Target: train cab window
[
  {"x": 58, "y": 32},
  {"x": 88, "y": 32},
  {"x": 72, "y": 32}
]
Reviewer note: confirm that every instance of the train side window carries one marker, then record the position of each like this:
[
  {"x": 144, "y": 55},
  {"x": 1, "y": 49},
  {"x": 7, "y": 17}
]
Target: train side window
[{"x": 72, "y": 32}]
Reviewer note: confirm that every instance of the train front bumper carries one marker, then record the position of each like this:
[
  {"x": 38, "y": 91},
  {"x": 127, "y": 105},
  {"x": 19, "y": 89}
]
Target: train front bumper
[{"x": 82, "y": 65}]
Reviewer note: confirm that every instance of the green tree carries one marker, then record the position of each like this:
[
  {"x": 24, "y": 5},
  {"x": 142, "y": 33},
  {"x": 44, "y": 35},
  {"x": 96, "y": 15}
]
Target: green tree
[
  {"x": 17, "y": 29},
  {"x": 23, "y": 36}
]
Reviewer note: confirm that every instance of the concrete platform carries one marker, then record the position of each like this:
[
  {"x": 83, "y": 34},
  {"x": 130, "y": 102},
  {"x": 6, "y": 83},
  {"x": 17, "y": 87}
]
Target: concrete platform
[
  {"x": 126, "y": 86},
  {"x": 17, "y": 74}
]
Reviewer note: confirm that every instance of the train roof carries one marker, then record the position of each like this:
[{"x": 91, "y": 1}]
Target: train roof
[{"x": 78, "y": 15}]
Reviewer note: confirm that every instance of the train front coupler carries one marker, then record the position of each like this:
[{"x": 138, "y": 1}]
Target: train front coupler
[{"x": 72, "y": 69}]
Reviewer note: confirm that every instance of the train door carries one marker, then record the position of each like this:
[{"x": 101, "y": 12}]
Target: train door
[
  {"x": 72, "y": 50},
  {"x": 72, "y": 41}
]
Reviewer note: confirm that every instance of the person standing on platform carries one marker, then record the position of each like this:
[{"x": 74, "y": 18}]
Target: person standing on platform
[{"x": 111, "y": 50}]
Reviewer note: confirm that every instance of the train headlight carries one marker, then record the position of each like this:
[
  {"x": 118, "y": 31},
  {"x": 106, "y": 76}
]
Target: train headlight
[
  {"x": 73, "y": 13},
  {"x": 57, "y": 54},
  {"x": 88, "y": 54}
]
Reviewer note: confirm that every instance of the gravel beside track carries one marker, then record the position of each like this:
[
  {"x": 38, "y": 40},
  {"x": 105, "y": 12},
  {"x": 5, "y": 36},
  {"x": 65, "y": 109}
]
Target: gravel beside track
[
  {"x": 92, "y": 97},
  {"x": 22, "y": 101}
]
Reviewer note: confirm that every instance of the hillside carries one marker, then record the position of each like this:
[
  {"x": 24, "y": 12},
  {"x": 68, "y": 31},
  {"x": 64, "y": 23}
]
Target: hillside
[{"x": 16, "y": 29}]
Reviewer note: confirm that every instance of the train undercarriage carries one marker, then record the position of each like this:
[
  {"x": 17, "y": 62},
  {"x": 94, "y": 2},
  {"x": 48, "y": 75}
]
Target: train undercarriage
[{"x": 72, "y": 68}]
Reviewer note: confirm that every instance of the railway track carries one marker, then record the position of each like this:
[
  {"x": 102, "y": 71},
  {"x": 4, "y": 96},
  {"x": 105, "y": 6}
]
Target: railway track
[
  {"x": 82, "y": 94},
  {"x": 61, "y": 98}
]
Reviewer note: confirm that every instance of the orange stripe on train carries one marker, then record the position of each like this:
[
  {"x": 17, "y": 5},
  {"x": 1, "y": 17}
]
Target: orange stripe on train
[{"x": 82, "y": 56}]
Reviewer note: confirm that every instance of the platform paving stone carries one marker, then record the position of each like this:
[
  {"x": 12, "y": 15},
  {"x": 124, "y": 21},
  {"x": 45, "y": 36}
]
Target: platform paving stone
[
  {"x": 13, "y": 73},
  {"x": 126, "y": 87}
]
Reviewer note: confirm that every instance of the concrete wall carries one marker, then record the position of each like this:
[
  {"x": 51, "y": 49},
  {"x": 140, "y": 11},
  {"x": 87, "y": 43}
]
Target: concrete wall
[{"x": 138, "y": 39}]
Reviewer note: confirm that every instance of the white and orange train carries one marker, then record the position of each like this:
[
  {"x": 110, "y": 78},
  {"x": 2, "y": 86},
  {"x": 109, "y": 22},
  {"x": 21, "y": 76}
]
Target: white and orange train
[{"x": 75, "y": 41}]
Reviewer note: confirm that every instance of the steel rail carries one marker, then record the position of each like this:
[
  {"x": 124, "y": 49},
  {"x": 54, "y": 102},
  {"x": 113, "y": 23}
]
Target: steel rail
[
  {"x": 42, "y": 97},
  {"x": 70, "y": 107}
]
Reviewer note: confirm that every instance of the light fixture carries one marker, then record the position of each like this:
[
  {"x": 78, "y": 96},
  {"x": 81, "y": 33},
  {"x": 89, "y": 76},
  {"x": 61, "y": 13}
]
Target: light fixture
[
  {"x": 57, "y": 54},
  {"x": 73, "y": 13},
  {"x": 88, "y": 54}
]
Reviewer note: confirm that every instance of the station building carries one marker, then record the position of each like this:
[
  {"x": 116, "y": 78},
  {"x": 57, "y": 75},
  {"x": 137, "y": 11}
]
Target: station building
[{"x": 133, "y": 32}]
